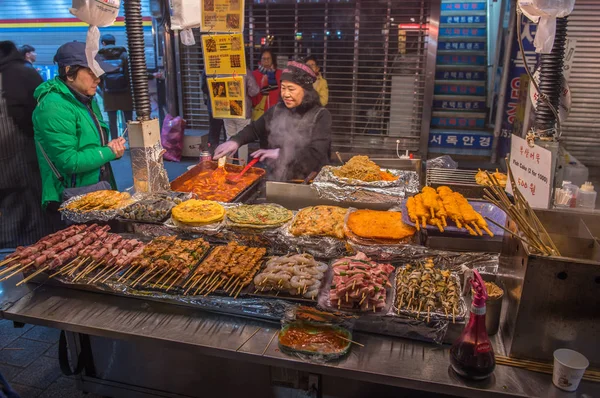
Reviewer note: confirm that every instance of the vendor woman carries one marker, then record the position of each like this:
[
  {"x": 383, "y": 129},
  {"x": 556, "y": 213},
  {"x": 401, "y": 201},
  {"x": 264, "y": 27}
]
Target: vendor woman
[{"x": 295, "y": 134}]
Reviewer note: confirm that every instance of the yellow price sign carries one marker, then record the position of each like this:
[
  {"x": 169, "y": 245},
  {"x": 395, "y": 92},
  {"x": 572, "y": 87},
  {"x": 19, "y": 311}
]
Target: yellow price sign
[
  {"x": 224, "y": 54},
  {"x": 222, "y": 16},
  {"x": 227, "y": 97}
]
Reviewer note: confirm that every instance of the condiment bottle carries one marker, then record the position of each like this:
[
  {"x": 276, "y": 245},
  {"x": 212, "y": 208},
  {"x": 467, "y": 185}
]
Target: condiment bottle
[
  {"x": 472, "y": 355},
  {"x": 571, "y": 190},
  {"x": 586, "y": 198},
  {"x": 204, "y": 156}
]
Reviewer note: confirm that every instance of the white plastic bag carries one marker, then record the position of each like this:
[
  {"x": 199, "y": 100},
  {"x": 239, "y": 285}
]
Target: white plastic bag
[
  {"x": 544, "y": 13},
  {"x": 186, "y": 14},
  {"x": 95, "y": 13}
]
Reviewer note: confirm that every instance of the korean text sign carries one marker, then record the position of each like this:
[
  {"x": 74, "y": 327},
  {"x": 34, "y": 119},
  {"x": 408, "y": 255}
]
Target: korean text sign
[
  {"x": 222, "y": 16},
  {"x": 227, "y": 97},
  {"x": 224, "y": 54},
  {"x": 532, "y": 170}
]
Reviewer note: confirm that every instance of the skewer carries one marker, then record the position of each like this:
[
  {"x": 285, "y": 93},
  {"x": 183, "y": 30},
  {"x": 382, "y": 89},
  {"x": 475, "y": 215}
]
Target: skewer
[
  {"x": 10, "y": 260},
  {"x": 351, "y": 341},
  {"x": 135, "y": 282},
  {"x": 173, "y": 274},
  {"x": 101, "y": 274},
  {"x": 230, "y": 280},
  {"x": 72, "y": 271},
  {"x": 208, "y": 289},
  {"x": 30, "y": 277},
  {"x": 85, "y": 274},
  {"x": 269, "y": 343},
  {"x": 8, "y": 269},
  {"x": 85, "y": 270},
  {"x": 248, "y": 339},
  {"x": 192, "y": 278},
  {"x": 17, "y": 271},
  {"x": 202, "y": 285},
  {"x": 161, "y": 278},
  {"x": 363, "y": 299},
  {"x": 174, "y": 282},
  {"x": 129, "y": 274},
  {"x": 240, "y": 290},
  {"x": 233, "y": 287},
  {"x": 193, "y": 285},
  {"x": 60, "y": 271},
  {"x": 111, "y": 275}
]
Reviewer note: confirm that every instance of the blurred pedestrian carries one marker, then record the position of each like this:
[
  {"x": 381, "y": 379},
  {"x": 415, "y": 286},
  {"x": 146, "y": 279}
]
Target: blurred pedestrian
[
  {"x": 28, "y": 52},
  {"x": 321, "y": 84},
  {"x": 115, "y": 85},
  {"x": 22, "y": 220},
  {"x": 268, "y": 78}
]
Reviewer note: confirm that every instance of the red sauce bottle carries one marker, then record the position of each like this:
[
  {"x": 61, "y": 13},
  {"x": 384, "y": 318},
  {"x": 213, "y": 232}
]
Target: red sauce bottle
[{"x": 472, "y": 355}]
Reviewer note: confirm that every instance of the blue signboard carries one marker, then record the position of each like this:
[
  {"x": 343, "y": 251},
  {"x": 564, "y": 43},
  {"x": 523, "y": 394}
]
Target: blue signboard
[
  {"x": 460, "y": 140},
  {"x": 459, "y": 89},
  {"x": 457, "y": 122},
  {"x": 461, "y": 75},
  {"x": 463, "y": 32},
  {"x": 473, "y": 60},
  {"x": 459, "y": 105},
  {"x": 463, "y": 6},
  {"x": 462, "y": 45},
  {"x": 517, "y": 69},
  {"x": 462, "y": 19}
]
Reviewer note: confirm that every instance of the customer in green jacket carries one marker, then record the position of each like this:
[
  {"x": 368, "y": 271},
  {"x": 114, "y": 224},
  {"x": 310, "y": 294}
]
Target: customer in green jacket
[{"x": 69, "y": 127}]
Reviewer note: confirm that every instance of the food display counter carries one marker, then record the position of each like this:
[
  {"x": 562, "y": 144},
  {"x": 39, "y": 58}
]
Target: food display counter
[{"x": 207, "y": 329}]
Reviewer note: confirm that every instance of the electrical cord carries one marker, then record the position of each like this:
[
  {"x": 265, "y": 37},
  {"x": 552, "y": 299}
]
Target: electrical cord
[{"x": 542, "y": 95}]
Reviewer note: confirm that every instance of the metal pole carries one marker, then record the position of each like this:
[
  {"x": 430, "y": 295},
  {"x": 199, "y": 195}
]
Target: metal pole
[
  {"x": 178, "y": 75},
  {"x": 386, "y": 49},
  {"x": 137, "y": 58},
  {"x": 325, "y": 27},
  {"x": 432, "y": 42},
  {"x": 170, "y": 79},
  {"x": 510, "y": 38}
]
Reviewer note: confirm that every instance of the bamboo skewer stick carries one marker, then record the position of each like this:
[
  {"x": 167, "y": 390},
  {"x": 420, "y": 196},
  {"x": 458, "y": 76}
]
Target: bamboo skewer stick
[
  {"x": 173, "y": 274},
  {"x": 174, "y": 282},
  {"x": 100, "y": 274},
  {"x": 351, "y": 341},
  {"x": 541, "y": 367},
  {"x": 81, "y": 262},
  {"x": 62, "y": 270},
  {"x": 239, "y": 291},
  {"x": 112, "y": 274},
  {"x": 9, "y": 260},
  {"x": 144, "y": 274},
  {"x": 30, "y": 277},
  {"x": 193, "y": 285},
  {"x": 161, "y": 278},
  {"x": 9, "y": 269},
  {"x": 17, "y": 271},
  {"x": 248, "y": 339},
  {"x": 190, "y": 280},
  {"x": 127, "y": 275},
  {"x": 269, "y": 343}
]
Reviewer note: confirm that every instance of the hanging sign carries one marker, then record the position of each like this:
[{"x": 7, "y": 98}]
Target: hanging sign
[
  {"x": 222, "y": 16},
  {"x": 227, "y": 97},
  {"x": 532, "y": 169},
  {"x": 224, "y": 54}
]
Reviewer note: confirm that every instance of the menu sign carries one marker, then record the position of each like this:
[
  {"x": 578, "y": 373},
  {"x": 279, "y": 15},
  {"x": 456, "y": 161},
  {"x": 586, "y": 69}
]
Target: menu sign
[
  {"x": 227, "y": 97},
  {"x": 222, "y": 16},
  {"x": 532, "y": 170},
  {"x": 224, "y": 54}
]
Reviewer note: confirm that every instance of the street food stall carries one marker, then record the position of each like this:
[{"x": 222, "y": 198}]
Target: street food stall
[{"x": 164, "y": 294}]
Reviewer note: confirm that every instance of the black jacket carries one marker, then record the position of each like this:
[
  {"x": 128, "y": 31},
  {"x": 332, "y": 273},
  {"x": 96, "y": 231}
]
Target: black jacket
[
  {"x": 22, "y": 220},
  {"x": 302, "y": 135},
  {"x": 117, "y": 100}
]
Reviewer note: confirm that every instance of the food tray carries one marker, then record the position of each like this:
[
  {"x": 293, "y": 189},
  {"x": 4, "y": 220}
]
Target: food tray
[
  {"x": 315, "y": 354},
  {"x": 80, "y": 217},
  {"x": 433, "y": 315},
  {"x": 182, "y": 183},
  {"x": 285, "y": 295},
  {"x": 326, "y": 304},
  {"x": 486, "y": 209},
  {"x": 355, "y": 239}
]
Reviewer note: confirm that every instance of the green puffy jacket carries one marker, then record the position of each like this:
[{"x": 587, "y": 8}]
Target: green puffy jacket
[{"x": 65, "y": 129}]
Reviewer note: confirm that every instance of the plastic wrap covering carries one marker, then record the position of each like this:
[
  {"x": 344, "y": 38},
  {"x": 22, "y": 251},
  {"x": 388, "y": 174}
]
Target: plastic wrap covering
[
  {"x": 329, "y": 186},
  {"x": 405, "y": 327},
  {"x": 316, "y": 322},
  {"x": 149, "y": 174},
  {"x": 442, "y": 162}
]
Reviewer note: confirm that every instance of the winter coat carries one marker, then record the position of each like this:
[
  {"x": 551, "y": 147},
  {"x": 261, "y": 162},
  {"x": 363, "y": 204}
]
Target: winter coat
[
  {"x": 66, "y": 130},
  {"x": 303, "y": 137},
  {"x": 322, "y": 88},
  {"x": 263, "y": 81},
  {"x": 22, "y": 220},
  {"x": 117, "y": 100}
]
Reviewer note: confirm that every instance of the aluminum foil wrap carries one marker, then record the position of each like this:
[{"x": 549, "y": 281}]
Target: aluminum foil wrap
[
  {"x": 149, "y": 174},
  {"x": 81, "y": 217},
  {"x": 329, "y": 186},
  {"x": 317, "y": 246},
  {"x": 212, "y": 229}
]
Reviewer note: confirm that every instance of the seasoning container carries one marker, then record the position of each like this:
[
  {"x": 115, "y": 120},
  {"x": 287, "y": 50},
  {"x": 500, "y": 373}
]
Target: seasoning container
[
  {"x": 586, "y": 199},
  {"x": 567, "y": 195},
  {"x": 493, "y": 307},
  {"x": 472, "y": 354},
  {"x": 205, "y": 156}
]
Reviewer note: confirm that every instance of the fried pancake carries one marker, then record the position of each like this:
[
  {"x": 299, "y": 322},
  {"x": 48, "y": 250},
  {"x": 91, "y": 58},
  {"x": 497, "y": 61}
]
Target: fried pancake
[
  {"x": 198, "y": 212},
  {"x": 372, "y": 224}
]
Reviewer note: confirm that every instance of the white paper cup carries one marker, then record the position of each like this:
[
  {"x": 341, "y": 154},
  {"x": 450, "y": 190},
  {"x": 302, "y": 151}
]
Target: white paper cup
[{"x": 569, "y": 367}]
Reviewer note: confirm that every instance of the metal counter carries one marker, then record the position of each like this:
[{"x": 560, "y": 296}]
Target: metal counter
[{"x": 150, "y": 349}]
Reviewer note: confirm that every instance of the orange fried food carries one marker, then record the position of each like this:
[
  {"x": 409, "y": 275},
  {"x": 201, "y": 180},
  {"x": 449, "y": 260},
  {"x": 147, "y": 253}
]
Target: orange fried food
[{"x": 373, "y": 224}]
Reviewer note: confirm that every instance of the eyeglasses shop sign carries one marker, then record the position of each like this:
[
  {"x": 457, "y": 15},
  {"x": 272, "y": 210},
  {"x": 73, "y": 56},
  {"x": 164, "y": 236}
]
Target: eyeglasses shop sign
[{"x": 531, "y": 167}]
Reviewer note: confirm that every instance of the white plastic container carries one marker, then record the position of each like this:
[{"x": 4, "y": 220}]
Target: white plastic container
[
  {"x": 567, "y": 195},
  {"x": 586, "y": 198},
  {"x": 569, "y": 367}
]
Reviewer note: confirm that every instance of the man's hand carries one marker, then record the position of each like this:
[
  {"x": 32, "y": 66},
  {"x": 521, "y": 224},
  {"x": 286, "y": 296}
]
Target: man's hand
[{"x": 117, "y": 146}]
